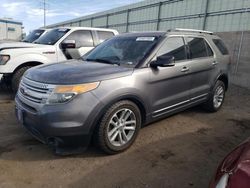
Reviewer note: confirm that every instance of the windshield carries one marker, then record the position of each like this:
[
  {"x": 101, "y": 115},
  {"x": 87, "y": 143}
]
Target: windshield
[
  {"x": 52, "y": 36},
  {"x": 32, "y": 36},
  {"x": 122, "y": 50}
]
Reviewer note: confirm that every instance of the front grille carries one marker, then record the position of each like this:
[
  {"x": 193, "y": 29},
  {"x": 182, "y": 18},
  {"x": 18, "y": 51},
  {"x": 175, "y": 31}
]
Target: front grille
[{"x": 35, "y": 92}]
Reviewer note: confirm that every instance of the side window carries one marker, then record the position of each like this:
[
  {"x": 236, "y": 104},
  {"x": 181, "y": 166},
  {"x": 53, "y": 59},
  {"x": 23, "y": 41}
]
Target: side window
[
  {"x": 197, "y": 47},
  {"x": 83, "y": 38},
  {"x": 174, "y": 46},
  {"x": 104, "y": 35},
  {"x": 221, "y": 46},
  {"x": 209, "y": 50}
]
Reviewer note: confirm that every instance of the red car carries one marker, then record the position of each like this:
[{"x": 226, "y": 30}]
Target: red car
[{"x": 234, "y": 170}]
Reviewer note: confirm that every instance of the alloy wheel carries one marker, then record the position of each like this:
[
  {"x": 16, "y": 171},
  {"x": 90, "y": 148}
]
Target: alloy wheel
[{"x": 121, "y": 127}]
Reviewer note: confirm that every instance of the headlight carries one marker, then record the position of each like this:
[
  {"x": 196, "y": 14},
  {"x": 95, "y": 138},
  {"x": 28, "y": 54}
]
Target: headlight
[
  {"x": 65, "y": 93},
  {"x": 4, "y": 59}
]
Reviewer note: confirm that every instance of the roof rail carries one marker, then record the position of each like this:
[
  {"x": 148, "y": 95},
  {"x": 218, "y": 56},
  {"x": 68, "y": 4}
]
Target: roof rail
[{"x": 192, "y": 30}]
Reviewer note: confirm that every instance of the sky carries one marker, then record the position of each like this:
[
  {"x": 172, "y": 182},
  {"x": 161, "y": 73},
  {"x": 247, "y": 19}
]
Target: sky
[{"x": 30, "y": 12}]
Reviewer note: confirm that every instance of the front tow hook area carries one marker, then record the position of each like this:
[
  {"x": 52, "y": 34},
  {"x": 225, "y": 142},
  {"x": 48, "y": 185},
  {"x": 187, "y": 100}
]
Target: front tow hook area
[{"x": 64, "y": 148}]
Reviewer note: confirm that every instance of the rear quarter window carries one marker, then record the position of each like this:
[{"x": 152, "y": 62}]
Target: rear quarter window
[
  {"x": 221, "y": 46},
  {"x": 104, "y": 35}
]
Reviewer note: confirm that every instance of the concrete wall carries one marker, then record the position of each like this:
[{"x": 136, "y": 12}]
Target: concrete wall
[{"x": 240, "y": 52}]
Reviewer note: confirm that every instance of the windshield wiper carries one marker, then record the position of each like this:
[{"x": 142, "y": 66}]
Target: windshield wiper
[{"x": 104, "y": 61}]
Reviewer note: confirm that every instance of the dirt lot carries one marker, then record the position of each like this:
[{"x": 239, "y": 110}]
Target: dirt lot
[{"x": 180, "y": 151}]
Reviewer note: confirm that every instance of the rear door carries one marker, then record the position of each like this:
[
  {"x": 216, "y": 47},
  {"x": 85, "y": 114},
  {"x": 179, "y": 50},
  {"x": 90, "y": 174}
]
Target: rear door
[
  {"x": 170, "y": 86},
  {"x": 202, "y": 67}
]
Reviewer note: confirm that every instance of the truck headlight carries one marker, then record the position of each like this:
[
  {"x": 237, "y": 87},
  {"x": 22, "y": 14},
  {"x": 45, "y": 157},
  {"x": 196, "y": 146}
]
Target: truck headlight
[
  {"x": 65, "y": 93},
  {"x": 4, "y": 59}
]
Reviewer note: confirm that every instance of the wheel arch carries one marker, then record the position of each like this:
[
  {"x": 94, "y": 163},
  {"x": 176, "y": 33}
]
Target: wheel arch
[
  {"x": 224, "y": 79},
  {"x": 133, "y": 98},
  {"x": 29, "y": 63}
]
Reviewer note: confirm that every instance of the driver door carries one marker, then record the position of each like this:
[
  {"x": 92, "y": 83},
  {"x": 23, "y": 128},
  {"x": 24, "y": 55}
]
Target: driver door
[{"x": 170, "y": 86}]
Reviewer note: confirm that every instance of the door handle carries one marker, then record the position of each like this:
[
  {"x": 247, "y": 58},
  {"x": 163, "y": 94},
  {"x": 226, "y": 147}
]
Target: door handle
[
  {"x": 184, "y": 69},
  {"x": 214, "y": 63}
]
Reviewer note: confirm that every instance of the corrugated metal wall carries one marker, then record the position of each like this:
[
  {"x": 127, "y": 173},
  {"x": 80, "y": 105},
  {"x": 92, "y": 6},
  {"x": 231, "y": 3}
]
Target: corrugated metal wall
[{"x": 214, "y": 15}]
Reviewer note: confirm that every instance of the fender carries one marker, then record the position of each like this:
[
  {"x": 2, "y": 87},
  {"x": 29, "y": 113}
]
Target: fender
[
  {"x": 106, "y": 103},
  {"x": 223, "y": 77},
  {"x": 19, "y": 60}
]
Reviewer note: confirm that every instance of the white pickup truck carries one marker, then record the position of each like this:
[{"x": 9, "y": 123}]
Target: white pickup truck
[{"x": 56, "y": 45}]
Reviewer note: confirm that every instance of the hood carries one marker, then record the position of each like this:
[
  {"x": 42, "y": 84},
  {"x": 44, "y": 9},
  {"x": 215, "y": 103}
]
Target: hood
[
  {"x": 11, "y": 45},
  {"x": 239, "y": 155},
  {"x": 6, "y": 41},
  {"x": 237, "y": 164},
  {"x": 28, "y": 48},
  {"x": 76, "y": 72}
]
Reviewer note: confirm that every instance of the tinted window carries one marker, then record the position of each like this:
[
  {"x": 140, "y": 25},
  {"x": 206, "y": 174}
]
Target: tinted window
[
  {"x": 82, "y": 38},
  {"x": 32, "y": 36},
  {"x": 123, "y": 50},
  {"x": 174, "y": 46},
  {"x": 221, "y": 46},
  {"x": 104, "y": 35},
  {"x": 209, "y": 50},
  {"x": 52, "y": 36},
  {"x": 197, "y": 47}
]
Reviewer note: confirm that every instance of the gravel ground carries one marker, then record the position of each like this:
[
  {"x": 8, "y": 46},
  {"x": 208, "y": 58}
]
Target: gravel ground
[{"x": 178, "y": 152}]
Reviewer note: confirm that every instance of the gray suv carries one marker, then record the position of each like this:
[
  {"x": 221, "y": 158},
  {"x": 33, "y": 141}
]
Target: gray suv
[{"x": 124, "y": 83}]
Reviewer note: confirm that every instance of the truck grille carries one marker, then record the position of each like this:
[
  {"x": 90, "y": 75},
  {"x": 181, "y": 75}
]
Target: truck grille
[{"x": 34, "y": 91}]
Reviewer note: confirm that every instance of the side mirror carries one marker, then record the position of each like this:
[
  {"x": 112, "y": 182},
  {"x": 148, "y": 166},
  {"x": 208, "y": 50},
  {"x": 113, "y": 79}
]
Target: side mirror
[
  {"x": 68, "y": 44},
  {"x": 163, "y": 61}
]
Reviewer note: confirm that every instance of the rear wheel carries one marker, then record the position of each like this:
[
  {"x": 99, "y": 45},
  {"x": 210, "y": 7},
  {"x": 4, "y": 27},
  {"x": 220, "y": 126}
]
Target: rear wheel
[
  {"x": 217, "y": 97},
  {"x": 17, "y": 78},
  {"x": 119, "y": 127}
]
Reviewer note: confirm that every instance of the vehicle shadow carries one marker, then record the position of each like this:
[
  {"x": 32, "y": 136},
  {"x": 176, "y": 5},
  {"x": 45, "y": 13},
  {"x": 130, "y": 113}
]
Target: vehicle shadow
[
  {"x": 193, "y": 157},
  {"x": 6, "y": 92},
  {"x": 32, "y": 150},
  {"x": 27, "y": 148}
]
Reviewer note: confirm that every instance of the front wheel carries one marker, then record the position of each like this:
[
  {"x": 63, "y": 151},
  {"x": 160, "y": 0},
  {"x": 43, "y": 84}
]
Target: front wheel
[
  {"x": 119, "y": 127},
  {"x": 17, "y": 78},
  {"x": 217, "y": 97}
]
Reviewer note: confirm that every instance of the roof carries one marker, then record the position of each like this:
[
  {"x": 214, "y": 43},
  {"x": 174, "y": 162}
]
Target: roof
[
  {"x": 144, "y": 34},
  {"x": 10, "y": 21},
  {"x": 89, "y": 28},
  {"x": 171, "y": 32}
]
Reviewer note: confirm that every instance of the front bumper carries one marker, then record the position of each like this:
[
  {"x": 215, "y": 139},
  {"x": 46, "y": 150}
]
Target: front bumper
[{"x": 66, "y": 127}]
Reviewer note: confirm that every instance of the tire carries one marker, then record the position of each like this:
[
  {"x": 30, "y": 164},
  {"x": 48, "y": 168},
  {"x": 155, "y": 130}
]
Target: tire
[
  {"x": 123, "y": 117},
  {"x": 17, "y": 78},
  {"x": 216, "y": 98}
]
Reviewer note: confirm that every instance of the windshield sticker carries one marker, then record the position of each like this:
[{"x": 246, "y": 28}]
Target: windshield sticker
[
  {"x": 37, "y": 34},
  {"x": 145, "y": 38},
  {"x": 62, "y": 29}
]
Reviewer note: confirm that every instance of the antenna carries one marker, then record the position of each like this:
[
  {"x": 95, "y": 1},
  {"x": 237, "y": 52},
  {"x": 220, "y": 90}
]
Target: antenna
[{"x": 44, "y": 13}]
